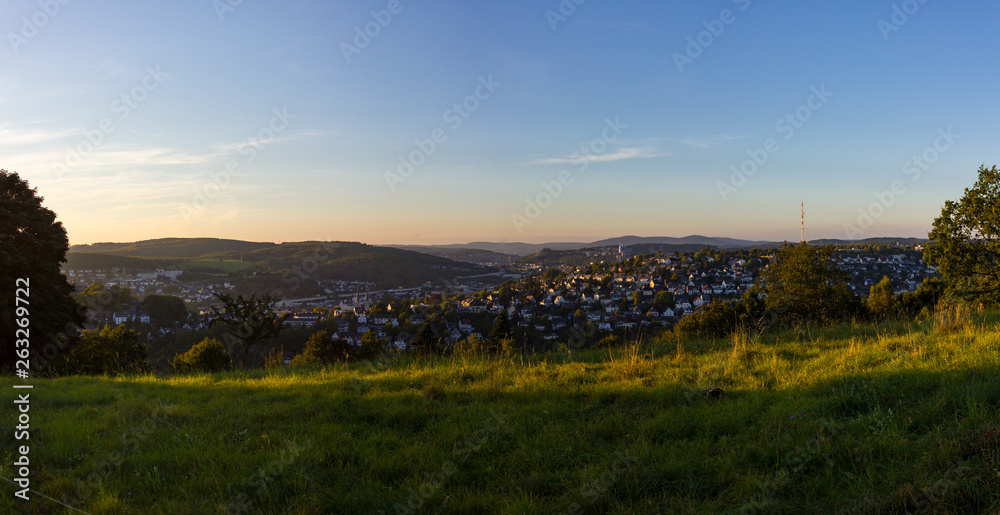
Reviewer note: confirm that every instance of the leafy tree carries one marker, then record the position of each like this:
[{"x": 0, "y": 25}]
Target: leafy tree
[
  {"x": 803, "y": 284},
  {"x": 249, "y": 320},
  {"x": 426, "y": 342},
  {"x": 664, "y": 300},
  {"x": 208, "y": 355},
  {"x": 965, "y": 240},
  {"x": 33, "y": 245},
  {"x": 108, "y": 351},
  {"x": 165, "y": 310},
  {"x": 323, "y": 348},
  {"x": 371, "y": 345},
  {"x": 499, "y": 332},
  {"x": 882, "y": 302}
]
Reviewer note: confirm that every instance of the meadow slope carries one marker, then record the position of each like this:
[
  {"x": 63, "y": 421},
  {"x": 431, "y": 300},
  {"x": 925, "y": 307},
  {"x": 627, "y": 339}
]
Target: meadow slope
[{"x": 893, "y": 418}]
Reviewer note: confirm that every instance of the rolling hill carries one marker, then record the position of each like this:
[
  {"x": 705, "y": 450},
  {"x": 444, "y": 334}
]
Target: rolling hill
[
  {"x": 172, "y": 247},
  {"x": 388, "y": 267}
]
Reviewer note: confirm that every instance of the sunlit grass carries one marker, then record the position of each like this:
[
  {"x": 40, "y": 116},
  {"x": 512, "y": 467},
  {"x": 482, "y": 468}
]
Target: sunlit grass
[{"x": 881, "y": 418}]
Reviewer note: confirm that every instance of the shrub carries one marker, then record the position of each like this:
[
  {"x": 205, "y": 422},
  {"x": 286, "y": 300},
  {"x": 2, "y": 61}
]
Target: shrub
[
  {"x": 610, "y": 341},
  {"x": 108, "y": 351},
  {"x": 323, "y": 349},
  {"x": 208, "y": 355}
]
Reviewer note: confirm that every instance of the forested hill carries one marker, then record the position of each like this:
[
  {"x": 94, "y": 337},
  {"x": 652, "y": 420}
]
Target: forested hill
[
  {"x": 172, "y": 247},
  {"x": 348, "y": 261},
  {"x": 358, "y": 261}
]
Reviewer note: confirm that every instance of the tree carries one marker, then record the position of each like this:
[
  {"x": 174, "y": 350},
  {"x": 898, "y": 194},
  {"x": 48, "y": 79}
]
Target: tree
[
  {"x": 881, "y": 300},
  {"x": 803, "y": 284},
  {"x": 371, "y": 345},
  {"x": 108, "y": 351},
  {"x": 33, "y": 246},
  {"x": 499, "y": 333},
  {"x": 965, "y": 240},
  {"x": 165, "y": 310},
  {"x": 323, "y": 348},
  {"x": 248, "y": 320},
  {"x": 208, "y": 355},
  {"x": 426, "y": 342},
  {"x": 664, "y": 300}
]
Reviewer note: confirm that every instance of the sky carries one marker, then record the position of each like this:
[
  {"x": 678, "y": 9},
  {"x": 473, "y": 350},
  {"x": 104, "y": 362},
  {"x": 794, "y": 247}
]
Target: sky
[{"x": 434, "y": 122}]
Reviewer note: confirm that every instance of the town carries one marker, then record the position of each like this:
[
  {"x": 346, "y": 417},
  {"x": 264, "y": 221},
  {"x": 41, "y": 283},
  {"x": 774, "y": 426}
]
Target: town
[{"x": 547, "y": 306}]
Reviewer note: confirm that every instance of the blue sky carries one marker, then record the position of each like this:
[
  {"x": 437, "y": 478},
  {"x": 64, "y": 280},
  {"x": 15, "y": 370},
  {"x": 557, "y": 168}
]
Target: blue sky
[{"x": 126, "y": 116}]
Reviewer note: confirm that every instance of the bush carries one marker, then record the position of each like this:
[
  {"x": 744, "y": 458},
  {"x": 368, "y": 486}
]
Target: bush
[
  {"x": 610, "y": 341},
  {"x": 208, "y": 355},
  {"x": 716, "y": 320},
  {"x": 108, "y": 351},
  {"x": 473, "y": 346},
  {"x": 323, "y": 349}
]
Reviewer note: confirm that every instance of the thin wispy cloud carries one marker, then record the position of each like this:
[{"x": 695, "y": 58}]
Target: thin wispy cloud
[
  {"x": 608, "y": 157},
  {"x": 11, "y": 136},
  {"x": 709, "y": 142},
  {"x": 235, "y": 147}
]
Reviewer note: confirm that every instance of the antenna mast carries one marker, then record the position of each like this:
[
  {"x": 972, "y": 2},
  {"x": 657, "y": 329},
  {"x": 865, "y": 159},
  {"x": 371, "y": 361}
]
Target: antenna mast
[{"x": 803, "y": 220}]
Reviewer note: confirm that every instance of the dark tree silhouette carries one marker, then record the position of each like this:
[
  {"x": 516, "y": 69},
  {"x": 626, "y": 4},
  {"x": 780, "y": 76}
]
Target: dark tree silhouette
[{"x": 33, "y": 245}]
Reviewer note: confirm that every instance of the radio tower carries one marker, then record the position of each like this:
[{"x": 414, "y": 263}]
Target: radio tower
[{"x": 803, "y": 220}]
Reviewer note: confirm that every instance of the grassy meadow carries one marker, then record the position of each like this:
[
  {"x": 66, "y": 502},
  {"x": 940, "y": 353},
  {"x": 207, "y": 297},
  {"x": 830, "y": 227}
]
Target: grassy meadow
[{"x": 893, "y": 418}]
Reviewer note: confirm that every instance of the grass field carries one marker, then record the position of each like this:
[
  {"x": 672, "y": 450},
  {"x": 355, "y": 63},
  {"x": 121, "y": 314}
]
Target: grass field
[
  {"x": 855, "y": 419},
  {"x": 226, "y": 267}
]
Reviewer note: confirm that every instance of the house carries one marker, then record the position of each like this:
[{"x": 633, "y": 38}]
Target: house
[
  {"x": 300, "y": 320},
  {"x": 120, "y": 317}
]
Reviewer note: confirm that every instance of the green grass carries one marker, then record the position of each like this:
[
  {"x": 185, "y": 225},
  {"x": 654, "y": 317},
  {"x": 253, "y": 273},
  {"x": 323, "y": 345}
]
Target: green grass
[
  {"x": 226, "y": 267},
  {"x": 892, "y": 418}
]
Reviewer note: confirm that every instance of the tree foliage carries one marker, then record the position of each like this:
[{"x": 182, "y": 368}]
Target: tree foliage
[
  {"x": 499, "y": 333},
  {"x": 165, "y": 310},
  {"x": 249, "y": 320},
  {"x": 33, "y": 245},
  {"x": 965, "y": 240},
  {"x": 208, "y": 355},
  {"x": 426, "y": 342},
  {"x": 108, "y": 351},
  {"x": 324, "y": 349},
  {"x": 803, "y": 284},
  {"x": 371, "y": 345}
]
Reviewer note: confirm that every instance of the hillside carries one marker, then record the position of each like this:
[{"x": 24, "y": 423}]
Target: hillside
[
  {"x": 88, "y": 261},
  {"x": 388, "y": 267},
  {"x": 857, "y": 419},
  {"x": 171, "y": 247}
]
